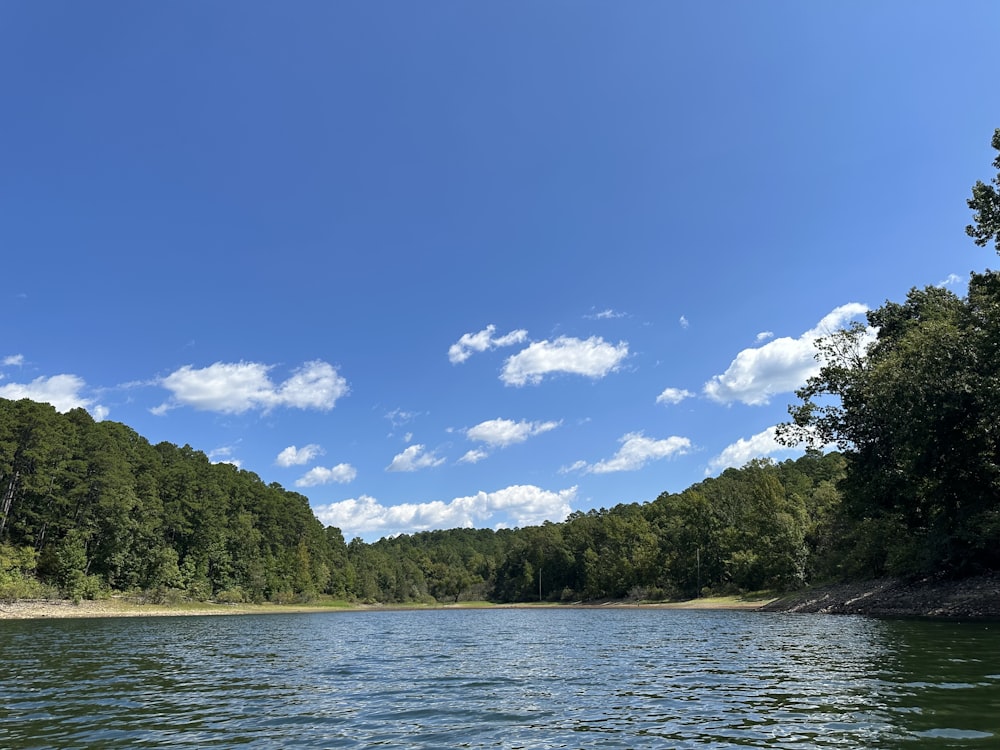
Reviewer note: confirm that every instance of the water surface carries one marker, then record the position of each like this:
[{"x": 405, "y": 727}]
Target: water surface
[{"x": 500, "y": 678}]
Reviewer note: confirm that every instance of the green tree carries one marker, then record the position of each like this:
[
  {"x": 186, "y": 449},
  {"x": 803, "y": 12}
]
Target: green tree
[
  {"x": 985, "y": 201},
  {"x": 916, "y": 412}
]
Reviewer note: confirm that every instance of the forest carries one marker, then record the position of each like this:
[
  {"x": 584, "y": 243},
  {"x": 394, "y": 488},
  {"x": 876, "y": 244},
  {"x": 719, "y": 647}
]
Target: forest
[
  {"x": 910, "y": 402},
  {"x": 91, "y": 507}
]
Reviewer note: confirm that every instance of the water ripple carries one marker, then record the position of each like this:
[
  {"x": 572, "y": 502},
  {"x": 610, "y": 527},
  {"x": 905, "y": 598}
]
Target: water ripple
[{"x": 527, "y": 679}]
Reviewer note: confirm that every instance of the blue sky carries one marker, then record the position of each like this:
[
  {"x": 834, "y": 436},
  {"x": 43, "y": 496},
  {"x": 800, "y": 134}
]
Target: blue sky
[{"x": 472, "y": 264}]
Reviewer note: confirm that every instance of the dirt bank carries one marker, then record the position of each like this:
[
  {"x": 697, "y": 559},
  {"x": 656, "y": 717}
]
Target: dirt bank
[
  {"x": 976, "y": 597},
  {"x": 122, "y": 607},
  {"x": 115, "y": 607}
]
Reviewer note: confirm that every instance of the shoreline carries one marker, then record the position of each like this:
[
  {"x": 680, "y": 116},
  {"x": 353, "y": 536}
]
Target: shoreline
[
  {"x": 117, "y": 607},
  {"x": 972, "y": 598},
  {"x": 976, "y": 597}
]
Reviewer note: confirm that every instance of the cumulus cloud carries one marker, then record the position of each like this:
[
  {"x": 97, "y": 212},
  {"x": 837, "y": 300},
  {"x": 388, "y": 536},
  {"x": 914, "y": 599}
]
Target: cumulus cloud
[
  {"x": 765, "y": 336},
  {"x": 341, "y": 474},
  {"x": 593, "y": 358},
  {"x": 518, "y": 505},
  {"x": 745, "y": 449},
  {"x": 13, "y": 360},
  {"x": 635, "y": 452},
  {"x": 414, "y": 458},
  {"x": 292, "y": 456},
  {"x": 62, "y": 391},
  {"x": 480, "y": 342},
  {"x": 237, "y": 387},
  {"x": 779, "y": 366},
  {"x": 500, "y": 433},
  {"x": 671, "y": 396}
]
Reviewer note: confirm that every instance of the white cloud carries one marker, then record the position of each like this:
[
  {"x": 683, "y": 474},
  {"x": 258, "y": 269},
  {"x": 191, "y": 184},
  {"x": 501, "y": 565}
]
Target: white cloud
[
  {"x": 683, "y": 322},
  {"x": 593, "y": 358},
  {"x": 62, "y": 391},
  {"x": 779, "y": 366},
  {"x": 671, "y": 396},
  {"x": 518, "y": 505},
  {"x": 473, "y": 456},
  {"x": 224, "y": 455},
  {"x": 743, "y": 450},
  {"x": 341, "y": 473},
  {"x": 951, "y": 280},
  {"x": 413, "y": 459},
  {"x": 503, "y": 432},
  {"x": 237, "y": 387},
  {"x": 292, "y": 456},
  {"x": 14, "y": 360},
  {"x": 608, "y": 314},
  {"x": 765, "y": 336},
  {"x": 635, "y": 452},
  {"x": 480, "y": 342}
]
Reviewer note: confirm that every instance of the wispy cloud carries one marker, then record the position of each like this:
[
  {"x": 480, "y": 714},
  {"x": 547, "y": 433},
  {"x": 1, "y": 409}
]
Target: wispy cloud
[
  {"x": 473, "y": 456},
  {"x": 13, "y": 360},
  {"x": 608, "y": 314},
  {"x": 953, "y": 279},
  {"x": 237, "y": 387},
  {"x": 399, "y": 417},
  {"x": 292, "y": 456},
  {"x": 684, "y": 322},
  {"x": 635, "y": 452},
  {"x": 779, "y": 366},
  {"x": 224, "y": 455},
  {"x": 470, "y": 343},
  {"x": 592, "y": 358},
  {"x": 765, "y": 336},
  {"x": 671, "y": 396},
  {"x": 341, "y": 474},
  {"x": 414, "y": 458},
  {"x": 518, "y": 505}
]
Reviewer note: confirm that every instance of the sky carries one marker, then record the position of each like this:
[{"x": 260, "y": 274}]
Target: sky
[{"x": 451, "y": 264}]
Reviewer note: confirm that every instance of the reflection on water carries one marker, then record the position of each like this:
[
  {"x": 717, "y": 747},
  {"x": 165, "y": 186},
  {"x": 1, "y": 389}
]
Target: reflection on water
[{"x": 621, "y": 678}]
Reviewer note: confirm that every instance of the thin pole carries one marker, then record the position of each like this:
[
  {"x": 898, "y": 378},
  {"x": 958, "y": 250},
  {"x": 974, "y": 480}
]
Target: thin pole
[{"x": 697, "y": 553}]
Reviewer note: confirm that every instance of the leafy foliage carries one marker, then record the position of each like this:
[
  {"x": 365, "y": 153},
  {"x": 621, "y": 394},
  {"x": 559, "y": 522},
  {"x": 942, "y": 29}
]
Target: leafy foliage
[
  {"x": 985, "y": 201},
  {"x": 917, "y": 412},
  {"x": 101, "y": 509}
]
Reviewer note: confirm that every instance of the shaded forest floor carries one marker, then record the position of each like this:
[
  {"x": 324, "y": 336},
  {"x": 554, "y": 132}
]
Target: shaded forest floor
[{"x": 968, "y": 598}]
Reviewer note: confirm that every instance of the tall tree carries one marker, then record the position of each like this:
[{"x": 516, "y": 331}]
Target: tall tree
[
  {"x": 916, "y": 412},
  {"x": 985, "y": 201}
]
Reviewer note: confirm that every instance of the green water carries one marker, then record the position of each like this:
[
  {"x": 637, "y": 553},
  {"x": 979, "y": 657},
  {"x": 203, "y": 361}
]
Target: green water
[{"x": 500, "y": 679}]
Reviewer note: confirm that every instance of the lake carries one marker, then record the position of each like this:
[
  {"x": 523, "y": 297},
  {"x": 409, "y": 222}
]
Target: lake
[{"x": 500, "y": 678}]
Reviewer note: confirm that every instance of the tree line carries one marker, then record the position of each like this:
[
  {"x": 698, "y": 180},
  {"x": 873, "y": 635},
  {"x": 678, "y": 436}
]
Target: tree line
[{"x": 92, "y": 507}]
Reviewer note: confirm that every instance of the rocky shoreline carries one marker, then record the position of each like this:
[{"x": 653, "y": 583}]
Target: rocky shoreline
[{"x": 977, "y": 597}]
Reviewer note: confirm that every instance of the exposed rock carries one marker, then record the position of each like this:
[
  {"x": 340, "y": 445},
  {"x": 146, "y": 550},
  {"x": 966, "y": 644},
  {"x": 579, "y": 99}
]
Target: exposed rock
[{"x": 967, "y": 598}]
